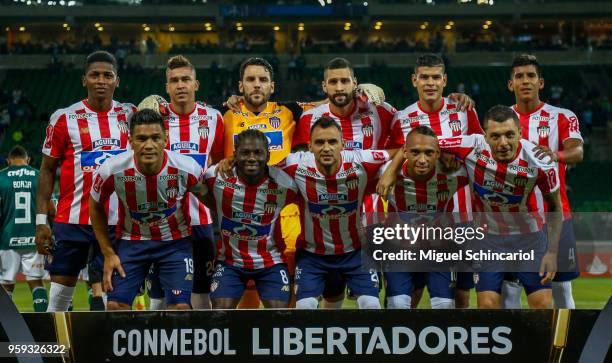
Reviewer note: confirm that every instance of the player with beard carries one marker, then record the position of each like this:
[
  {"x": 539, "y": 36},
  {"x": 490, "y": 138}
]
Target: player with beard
[
  {"x": 556, "y": 131},
  {"x": 248, "y": 207},
  {"x": 79, "y": 139}
]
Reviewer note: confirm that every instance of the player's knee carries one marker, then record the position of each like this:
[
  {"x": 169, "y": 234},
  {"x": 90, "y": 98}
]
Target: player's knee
[
  {"x": 275, "y": 304},
  {"x": 224, "y": 303},
  {"x": 180, "y": 306},
  {"x": 368, "y": 302},
  {"x": 307, "y": 303},
  {"x": 116, "y": 305},
  {"x": 399, "y": 302},
  {"x": 489, "y": 300},
  {"x": 540, "y": 299},
  {"x": 442, "y": 303},
  {"x": 462, "y": 299}
]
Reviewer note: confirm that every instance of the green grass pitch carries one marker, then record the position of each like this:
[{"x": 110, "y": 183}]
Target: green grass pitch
[{"x": 589, "y": 293}]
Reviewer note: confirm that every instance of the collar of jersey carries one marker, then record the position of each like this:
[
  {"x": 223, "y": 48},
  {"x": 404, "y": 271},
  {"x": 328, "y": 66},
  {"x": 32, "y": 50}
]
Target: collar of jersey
[
  {"x": 263, "y": 180},
  {"x": 540, "y": 106},
  {"x": 269, "y": 108},
  {"x": 160, "y": 170},
  {"x": 88, "y": 106},
  {"x": 195, "y": 107},
  {"x": 435, "y": 111},
  {"x": 348, "y": 116}
]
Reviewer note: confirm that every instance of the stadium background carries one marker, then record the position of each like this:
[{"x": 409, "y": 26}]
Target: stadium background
[{"x": 43, "y": 44}]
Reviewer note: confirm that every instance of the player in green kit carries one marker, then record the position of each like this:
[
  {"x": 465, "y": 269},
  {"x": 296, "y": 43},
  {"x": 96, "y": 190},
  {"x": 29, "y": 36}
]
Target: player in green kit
[{"x": 17, "y": 222}]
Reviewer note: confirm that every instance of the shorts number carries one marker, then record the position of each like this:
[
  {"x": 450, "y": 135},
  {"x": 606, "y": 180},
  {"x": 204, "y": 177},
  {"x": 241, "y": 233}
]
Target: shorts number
[
  {"x": 373, "y": 276},
  {"x": 284, "y": 277},
  {"x": 188, "y": 265},
  {"x": 23, "y": 202}
]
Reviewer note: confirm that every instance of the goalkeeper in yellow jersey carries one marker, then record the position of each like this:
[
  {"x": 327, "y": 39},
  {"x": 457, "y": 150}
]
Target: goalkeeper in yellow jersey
[{"x": 277, "y": 120}]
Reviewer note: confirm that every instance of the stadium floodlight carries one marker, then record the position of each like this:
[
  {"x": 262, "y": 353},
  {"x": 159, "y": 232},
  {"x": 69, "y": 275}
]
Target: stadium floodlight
[{"x": 22, "y": 28}]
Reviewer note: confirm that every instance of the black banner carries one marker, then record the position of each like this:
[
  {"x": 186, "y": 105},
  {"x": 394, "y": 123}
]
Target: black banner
[{"x": 310, "y": 336}]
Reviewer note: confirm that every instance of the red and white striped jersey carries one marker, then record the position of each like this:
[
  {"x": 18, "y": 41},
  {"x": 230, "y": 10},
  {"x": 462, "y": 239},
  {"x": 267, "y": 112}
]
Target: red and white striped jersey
[
  {"x": 198, "y": 135},
  {"x": 550, "y": 126},
  {"x": 430, "y": 196},
  {"x": 504, "y": 190},
  {"x": 331, "y": 205},
  {"x": 83, "y": 139},
  {"x": 248, "y": 217},
  {"x": 151, "y": 207},
  {"x": 447, "y": 121},
  {"x": 365, "y": 128}
]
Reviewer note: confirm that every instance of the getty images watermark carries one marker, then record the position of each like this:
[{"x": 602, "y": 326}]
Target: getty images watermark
[{"x": 503, "y": 242}]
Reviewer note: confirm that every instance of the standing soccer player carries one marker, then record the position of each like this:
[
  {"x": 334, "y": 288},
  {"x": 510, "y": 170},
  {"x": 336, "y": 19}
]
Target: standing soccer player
[
  {"x": 447, "y": 119},
  {"x": 17, "y": 216},
  {"x": 79, "y": 139},
  {"x": 557, "y": 133},
  {"x": 333, "y": 184},
  {"x": 248, "y": 207},
  {"x": 153, "y": 186},
  {"x": 504, "y": 170},
  {"x": 422, "y": 187}
]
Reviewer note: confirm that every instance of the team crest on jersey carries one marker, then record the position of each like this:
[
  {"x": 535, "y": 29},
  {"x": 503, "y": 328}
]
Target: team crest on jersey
[
  {"x": 203, "y": 131},
  {"x": 269, "y": 207},
  {"x": 176, "y": 292},
  {"x": 274, "y": 122},
  {"x": 455, "y": 125},
  {"x": 520, "y": 181},
  {"x": 123, "y": 127},
  {"x": 367, "y": 130},
  {"x": 352, "y": 183},
  {"x": 543, "y": 131},
  {"x": 171, "y": 192},
  {"x": 442, "y": 195}
]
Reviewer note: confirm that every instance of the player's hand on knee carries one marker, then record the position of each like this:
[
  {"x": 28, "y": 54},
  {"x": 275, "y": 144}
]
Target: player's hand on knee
[
  {"x": 44, "y": 239},
  {"x": 385, "y": 184},
  {"x": 548, "y": 267},
  {"x": 464, "y": 102},
  {"x": 225, "y": 166},
  {"x": 111, "y": 263},
  {"x": 371, "y": 93},
  {"x": 233, "y": 102},
  {"x": 449, "y": 161}
]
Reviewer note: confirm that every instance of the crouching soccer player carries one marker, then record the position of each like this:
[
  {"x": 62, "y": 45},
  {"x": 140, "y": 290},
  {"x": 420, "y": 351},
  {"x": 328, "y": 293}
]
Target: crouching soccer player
[
  {"x": 17, "y": 209},
  {"x": 504, "y": 171},
  {"x": 422, "y": 187},
  {"x": 248, "y": 207},
  {"x": 332, "y": 183},
  {"x": 152, "y": 185}
]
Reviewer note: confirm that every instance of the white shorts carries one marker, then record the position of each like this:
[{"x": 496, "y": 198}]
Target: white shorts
[{"x": 29, "y": 262}]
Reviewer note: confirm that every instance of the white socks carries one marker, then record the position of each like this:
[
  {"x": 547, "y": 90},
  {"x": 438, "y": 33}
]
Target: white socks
[
  {"x": 562, "y": 295},
  {"x": 307, "y": 303},
  {"x": 442, "y": 303},
  {"x": 368, "y": 302},
  {"x": 157, "y": 304},
  {"x": 399, "y": 302},
  {"x": 200, "y": 301},
  {"x": 60, "y": 297},
  {"x": 511, "y": 295}
]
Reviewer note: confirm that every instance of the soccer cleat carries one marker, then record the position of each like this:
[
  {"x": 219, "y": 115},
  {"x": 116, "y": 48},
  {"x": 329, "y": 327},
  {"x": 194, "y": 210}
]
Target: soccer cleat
[{"x": 139, "y": 303}]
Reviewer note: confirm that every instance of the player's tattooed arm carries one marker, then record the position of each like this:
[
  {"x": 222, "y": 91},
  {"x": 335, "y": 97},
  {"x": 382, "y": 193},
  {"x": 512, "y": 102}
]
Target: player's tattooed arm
[
  {"x": 99, "y": 223},
  {"x": 464, "y": 102},
  {"x": 548, "y": 266},
  {"x": 46, "y": 182},
  {"x": 389, "y": 177}
]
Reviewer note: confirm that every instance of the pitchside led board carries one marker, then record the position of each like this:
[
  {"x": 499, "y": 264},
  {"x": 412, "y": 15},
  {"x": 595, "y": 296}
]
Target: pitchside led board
[{"x": 312, "y": 336}]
